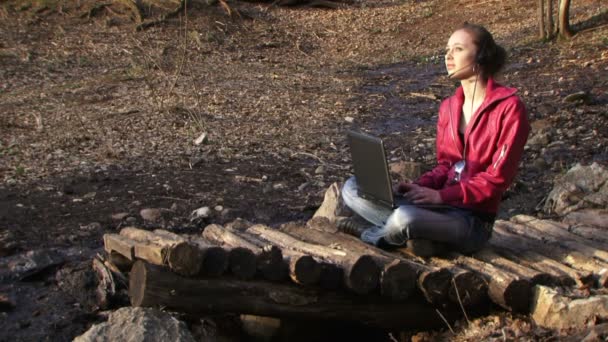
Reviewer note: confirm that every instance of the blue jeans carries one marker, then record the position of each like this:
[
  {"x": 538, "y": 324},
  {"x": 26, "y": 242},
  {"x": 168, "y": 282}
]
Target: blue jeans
[{"x": 459, "y": 228}]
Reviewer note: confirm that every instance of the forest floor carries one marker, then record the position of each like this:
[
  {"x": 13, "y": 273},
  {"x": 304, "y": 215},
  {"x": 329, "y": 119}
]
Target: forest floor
[{"x": 98, "y": 120}]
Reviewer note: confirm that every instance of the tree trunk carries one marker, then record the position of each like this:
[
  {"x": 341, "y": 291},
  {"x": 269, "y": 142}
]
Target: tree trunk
[
  {"x": 550, "y": 22},
  {"x": 564, "y": 19},
  {"x": 152, "y": 286},
  {"x": 541, "y": 19},
  {"x": 361, "y": 273}
]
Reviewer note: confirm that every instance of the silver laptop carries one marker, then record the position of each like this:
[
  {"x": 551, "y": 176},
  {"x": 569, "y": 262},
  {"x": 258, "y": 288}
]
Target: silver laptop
[{"x": 371, "y": 168}]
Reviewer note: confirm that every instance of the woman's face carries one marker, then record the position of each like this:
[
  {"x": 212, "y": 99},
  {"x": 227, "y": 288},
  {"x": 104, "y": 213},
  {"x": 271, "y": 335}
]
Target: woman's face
[{"x": 460, "y": 55}]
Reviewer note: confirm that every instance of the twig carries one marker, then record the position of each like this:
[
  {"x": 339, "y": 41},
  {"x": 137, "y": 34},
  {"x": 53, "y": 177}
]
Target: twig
[
  {"x": 460, "y": 301},
  {"x": 314, "y": 156},
  {"x": 445, "y": 321}
]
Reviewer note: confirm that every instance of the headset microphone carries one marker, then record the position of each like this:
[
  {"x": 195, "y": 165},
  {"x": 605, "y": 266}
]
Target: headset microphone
[{"x": 459, "y": 69}]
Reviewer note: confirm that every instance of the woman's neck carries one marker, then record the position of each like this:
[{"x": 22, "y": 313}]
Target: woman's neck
[{"x": 474, "y": 88}]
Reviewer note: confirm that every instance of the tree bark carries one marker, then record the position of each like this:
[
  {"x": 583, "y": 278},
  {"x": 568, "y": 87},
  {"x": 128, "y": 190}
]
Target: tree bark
[
  {"x": 504, "y": 288},
  {"x": 550, "y": 21},
  {"x": 515, "y": 242},
  {"x": 533, "y": 234},
  {"x": 534, "y": 276},
  {"x": 153, "y": 286},
  {"x": 274, "y": 262},
  {"x": 361, "y": 273},
  {"x": 397, "y": 276},
  {"x": 560, "y": 234},
  {"x": 468, "y": 289},
  {"x": 541, "y": 19},
  {"x": 564, "y": 19}
]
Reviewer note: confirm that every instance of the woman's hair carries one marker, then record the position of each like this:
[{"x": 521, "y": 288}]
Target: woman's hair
[{"x": 491, "y": 57}]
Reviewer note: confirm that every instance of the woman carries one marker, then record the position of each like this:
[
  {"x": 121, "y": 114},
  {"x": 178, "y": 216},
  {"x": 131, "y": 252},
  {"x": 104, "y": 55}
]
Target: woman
[{"x": 481, "y": 133}]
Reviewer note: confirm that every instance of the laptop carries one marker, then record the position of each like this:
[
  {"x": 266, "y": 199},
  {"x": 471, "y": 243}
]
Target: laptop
[
  {"x": 371, "y": 168},
  {"x": 371, "y": 172}
]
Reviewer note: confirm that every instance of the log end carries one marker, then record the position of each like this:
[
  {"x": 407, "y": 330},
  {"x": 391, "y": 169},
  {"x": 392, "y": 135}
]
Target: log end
[
  {"x": 331, "y": 277},
  {"x": 515, "y": 297},
  {"x": 185, "y": 258},
  {"x": 398, "y": 280},
  {"x": 304, "y": 270},
  {"x": 271, "y": 264},
  {"x": 468, "y": 289},
  {"x": 242, "y": 263},
  {"x": 215, "y": 262},
  {"x": 363, "y": 276},
  {"x": 435, "y": 285}
]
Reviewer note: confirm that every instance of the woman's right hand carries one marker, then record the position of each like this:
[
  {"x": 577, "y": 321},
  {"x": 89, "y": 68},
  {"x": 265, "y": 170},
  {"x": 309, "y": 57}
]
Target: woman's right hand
[{"x": 401, "y": 188}]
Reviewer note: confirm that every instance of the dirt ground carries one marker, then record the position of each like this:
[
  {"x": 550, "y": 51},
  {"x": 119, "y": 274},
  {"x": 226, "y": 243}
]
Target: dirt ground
[{"x": 97, "y": 119}]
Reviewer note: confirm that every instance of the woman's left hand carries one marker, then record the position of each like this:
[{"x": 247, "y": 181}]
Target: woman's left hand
[{"x": 422, "y": 195}]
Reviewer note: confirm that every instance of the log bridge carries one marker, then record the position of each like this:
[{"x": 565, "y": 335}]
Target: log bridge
[{"x": 311, "y": 271}]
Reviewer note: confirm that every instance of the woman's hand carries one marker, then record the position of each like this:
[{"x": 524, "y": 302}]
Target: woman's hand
[{"x": 419, "y": 194}]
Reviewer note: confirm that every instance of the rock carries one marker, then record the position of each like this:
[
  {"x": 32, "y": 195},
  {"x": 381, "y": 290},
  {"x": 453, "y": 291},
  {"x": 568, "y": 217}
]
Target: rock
[
  {"x": 406, "y": 171},
  {"x": 320, "y": 170},
  {"x": 332, "y": 205},
  {"x": 138, "y": 324},
  {"x": 349, "y": 119},
  {"x": 581, "y": 96},
  {"x": 540, "y": 139},
  {"x": 200, "y": 213},
  {"x": 552, "y": 310},
  {"x": 279, "y": 186},
  {"x": 201, "y": 139},
  {"x": 92, "y": 227},
  {"x": 131, "y": 220},
  {"x": 7, "y": 302},
  {"x": 30, "y": 263},
  {"x": 218, "y": 208},
  {"x": 581, "y": 187},
  {"x": 119, "y": 216},
  {"x": 151, "y": 214},
  {"x": 239, "y": 224},
  {"x": 8, "y": 243}
]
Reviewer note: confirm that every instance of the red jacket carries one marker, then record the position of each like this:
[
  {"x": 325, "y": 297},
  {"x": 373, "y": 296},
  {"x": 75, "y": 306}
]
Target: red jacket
[{"x": 495, "y": 138}]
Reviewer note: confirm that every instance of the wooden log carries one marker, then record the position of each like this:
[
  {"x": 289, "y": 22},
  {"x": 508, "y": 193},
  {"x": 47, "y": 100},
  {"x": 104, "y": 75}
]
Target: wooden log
[
  {"x": 106, "y": 287},
  {"x": 192, "y": 255},
  {"x": 574, "y": 259},
  {"x": 565, "y": 275},
  {"x": 397, "y": 277},
  {"x": 274, "y": 262},
  {"x": 589, "y": 217},
  {"x": 554, "y": 233},
  {"x": 504, "y": 288},
  {"x": 114, "y": 243},
  {"x": 361, "y": 273},
  {"x": 590, "y": 233},
  {"x": 153, "y": 286},
  {"x": 149, "y": 246},
  {"x": 534, "y": 276},
  {"x": 467, "y": 289}
]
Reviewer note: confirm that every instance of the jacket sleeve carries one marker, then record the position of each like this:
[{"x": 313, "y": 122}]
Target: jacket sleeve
[
  {"x": 436, "y": 178},
  {"x": 496, "y": 178}
]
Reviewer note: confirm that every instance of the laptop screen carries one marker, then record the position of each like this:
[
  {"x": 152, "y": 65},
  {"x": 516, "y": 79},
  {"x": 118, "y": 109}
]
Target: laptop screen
[{"x": 371, "y": 168}]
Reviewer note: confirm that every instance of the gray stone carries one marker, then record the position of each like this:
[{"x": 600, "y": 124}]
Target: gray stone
[
  {"x": 552, "y": 310},
  {"x": 27, "y": 264},
  {"x": 138, "y": 324},
  {"x": 151, "y": 214},
  {"x": 580, "y": 188},
  {"x": 119, "y": 216},
  {"x": 200, "y": 213}
]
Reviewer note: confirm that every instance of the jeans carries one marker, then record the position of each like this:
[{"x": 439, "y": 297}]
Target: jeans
[{"x": 458, "y": 228}]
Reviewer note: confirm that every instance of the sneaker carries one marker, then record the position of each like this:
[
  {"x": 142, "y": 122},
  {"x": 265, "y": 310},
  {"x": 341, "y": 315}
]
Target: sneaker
[
  {"x": 351, "y": 226},
  {"x": 425, "y": 248}
]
